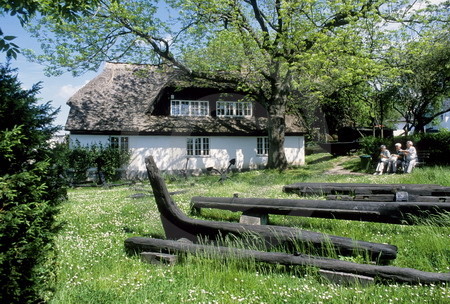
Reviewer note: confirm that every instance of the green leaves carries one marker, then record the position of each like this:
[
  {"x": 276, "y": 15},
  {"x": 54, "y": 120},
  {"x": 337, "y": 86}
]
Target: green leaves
[
  {"x": 7, "y": 46},
  {"x": 30, "y": 192}
]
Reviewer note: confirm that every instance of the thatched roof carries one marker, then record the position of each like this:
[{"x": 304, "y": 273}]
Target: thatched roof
[{"x": 120, "y": 101}]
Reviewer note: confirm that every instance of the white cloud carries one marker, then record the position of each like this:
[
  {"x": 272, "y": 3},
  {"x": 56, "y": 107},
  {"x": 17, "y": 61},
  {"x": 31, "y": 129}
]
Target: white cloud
[{"x": 66, "y": 91}]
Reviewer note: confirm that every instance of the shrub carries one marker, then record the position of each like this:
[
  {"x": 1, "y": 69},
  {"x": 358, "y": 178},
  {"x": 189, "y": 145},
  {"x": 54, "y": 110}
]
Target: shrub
[
  {"x": 370, "y": 145},
  {"x": 79, "y": 160},
  {"x": 106, "y": 159},
  {"x": 438, "y": 144}
]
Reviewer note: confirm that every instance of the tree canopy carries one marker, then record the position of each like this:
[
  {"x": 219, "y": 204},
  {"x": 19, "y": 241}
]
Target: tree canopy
[
  {"x": 280, "y": 52},
  {"x": 25, "y": 9},
  {"x": 419, "y": 92}
]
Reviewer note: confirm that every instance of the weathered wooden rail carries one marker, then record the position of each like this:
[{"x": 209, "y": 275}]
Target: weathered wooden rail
[
  {"x": 373, "y": 192},
  {"x": 177, "y": 225},
  {"x": 383, "y": 273},
  {"x": 384, "y": 212}
]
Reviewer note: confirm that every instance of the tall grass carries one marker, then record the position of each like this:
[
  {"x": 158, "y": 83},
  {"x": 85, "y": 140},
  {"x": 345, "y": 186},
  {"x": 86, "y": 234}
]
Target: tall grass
[{"x": 94, "y": 268}]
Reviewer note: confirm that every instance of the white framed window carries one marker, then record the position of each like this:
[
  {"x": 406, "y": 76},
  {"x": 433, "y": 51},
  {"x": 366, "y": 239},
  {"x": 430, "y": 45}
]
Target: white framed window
[
  {"x": 198, "y": 146},
  {"x": 189, "y": 108},
  {"x": 234, "y": 109},
  {"x": 262, "y": 146},
  {"x": 119, "y": 142}
]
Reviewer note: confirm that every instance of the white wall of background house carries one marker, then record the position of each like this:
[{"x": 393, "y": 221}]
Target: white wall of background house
[
  {"x": 442, "y": 122},
  {"x": 170, "y": 152}
]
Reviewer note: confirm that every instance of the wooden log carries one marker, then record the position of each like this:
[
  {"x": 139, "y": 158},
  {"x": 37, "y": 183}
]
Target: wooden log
[
  {"x": 426, "y": 198},
  {"x": 375, "y": 197},
  {"x": 384, "y": 273},
  {"x": 387, "y": 198},
  {"x": 177, "y": 225},
  {"x": 392, "y": 212},
  {"x": 362, "y": 188}
]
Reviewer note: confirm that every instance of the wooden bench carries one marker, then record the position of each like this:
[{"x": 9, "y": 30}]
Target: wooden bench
[
  {"x": 178, "y": 225},
  {"x": 423, "y": 157},
  {"x": 366, "y": 189},
  {"x": 371, "y": 211}
]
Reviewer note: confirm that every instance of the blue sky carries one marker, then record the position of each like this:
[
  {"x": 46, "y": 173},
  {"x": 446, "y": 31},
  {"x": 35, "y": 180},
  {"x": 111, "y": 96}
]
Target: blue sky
[{"x": 55, "y": 89}]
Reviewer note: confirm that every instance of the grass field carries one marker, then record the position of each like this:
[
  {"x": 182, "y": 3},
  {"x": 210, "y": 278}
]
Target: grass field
[{"x": 92, "y": 266}]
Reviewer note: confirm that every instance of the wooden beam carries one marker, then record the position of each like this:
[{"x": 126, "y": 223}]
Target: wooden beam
[
  {"x": 177, "y": 225},
  {"x": 362, "y": 188},
  {"x": 384, "y": 273},
  {"x": 392, "y": 212}
]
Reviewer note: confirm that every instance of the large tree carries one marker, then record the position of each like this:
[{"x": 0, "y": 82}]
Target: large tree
[
  {"x": 30, "y": 192},
  {"x": 418, "y": 94},
  {"x": 269, "y": 49}
]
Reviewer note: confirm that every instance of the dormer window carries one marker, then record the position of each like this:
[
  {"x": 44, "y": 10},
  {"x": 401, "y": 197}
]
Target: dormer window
[
  {"x": 234, "y": 109},
  {"x": 189, "y": 108}
]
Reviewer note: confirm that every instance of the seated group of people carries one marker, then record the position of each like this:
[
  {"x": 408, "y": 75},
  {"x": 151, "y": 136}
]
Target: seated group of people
[{"x": 404, "y": 159}]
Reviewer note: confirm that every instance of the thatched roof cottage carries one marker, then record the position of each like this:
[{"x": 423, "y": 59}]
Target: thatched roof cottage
[{"x": 147, "y": 110}]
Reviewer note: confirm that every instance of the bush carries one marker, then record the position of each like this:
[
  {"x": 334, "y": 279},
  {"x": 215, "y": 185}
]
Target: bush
[
  {"x": 370, "y": 145},
  {"x": 438, "y": 144},
  {"x": 106, "y": 159}
]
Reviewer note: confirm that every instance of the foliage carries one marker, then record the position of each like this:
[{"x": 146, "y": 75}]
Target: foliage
[
  {"x": 6, "y": 45},
  {"x": 107, "y": 160},
  {"x": 418, "y": 92},
  {"x": 79, "y": 160},
  {"x": 370, "y": 145},
  {"x": 438, "y": 145},
  {"x": 30, "y": 193},
  {"x": 93, "y": 266},
  {"x": 278, "y": 52},
  {"x": 25, "y": 9}
]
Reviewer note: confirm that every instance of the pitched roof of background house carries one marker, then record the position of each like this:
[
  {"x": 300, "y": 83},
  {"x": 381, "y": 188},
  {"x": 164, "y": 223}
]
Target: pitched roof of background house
[{"x": 121, "y": 98}]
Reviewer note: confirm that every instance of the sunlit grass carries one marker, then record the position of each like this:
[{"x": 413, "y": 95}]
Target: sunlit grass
[{"x": 93, "y": 267}]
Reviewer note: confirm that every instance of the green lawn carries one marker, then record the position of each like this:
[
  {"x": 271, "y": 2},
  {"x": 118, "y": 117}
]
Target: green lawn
[{"x": 92, "y": 266}]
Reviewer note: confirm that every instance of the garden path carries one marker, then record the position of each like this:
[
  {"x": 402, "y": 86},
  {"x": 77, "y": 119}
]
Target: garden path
[{"x": 339, "y": 168}]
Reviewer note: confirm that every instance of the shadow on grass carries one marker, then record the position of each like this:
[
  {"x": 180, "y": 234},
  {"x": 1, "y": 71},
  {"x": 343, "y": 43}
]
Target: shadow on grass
[{"x": 321, "y": 160}]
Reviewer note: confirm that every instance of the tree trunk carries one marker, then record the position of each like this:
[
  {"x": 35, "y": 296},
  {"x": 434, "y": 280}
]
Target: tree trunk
[{"x": 276, "y": 131}]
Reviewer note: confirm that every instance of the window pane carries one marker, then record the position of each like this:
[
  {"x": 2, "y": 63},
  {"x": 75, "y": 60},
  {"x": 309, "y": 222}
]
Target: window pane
[
  {"x": 220, "y": 108},
  {"x": 124, "y": 143},
  {"x": 239, "y": 111},
  {"x": 114, "y": 141},
  {"x": 198, "y": 146},
  {"x": 190, "y": 146},
  {"x": 262, "y": 146},
  {"x": 205, "y": 146},
  {"x": 232, "y": 108},
  {"x": 175, "y": 108},
  {"x": 195, "y": 110},
  {"x": 229, "y": 109},
  {"x": 247, "y": 109},
  {"x": 259, "y": 145},
  {"x": 204, "y": 108}
]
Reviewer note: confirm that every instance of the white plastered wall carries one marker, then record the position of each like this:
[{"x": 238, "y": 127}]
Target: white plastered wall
[{"x": 170, "y": 154}]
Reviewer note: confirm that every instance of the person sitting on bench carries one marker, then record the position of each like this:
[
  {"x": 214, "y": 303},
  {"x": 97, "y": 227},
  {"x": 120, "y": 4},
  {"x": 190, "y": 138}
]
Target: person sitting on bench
[
  {"x": 384, "y": 159},
  {"x": 411, "y": 157},
  {"x": 396, "y": 160}
]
